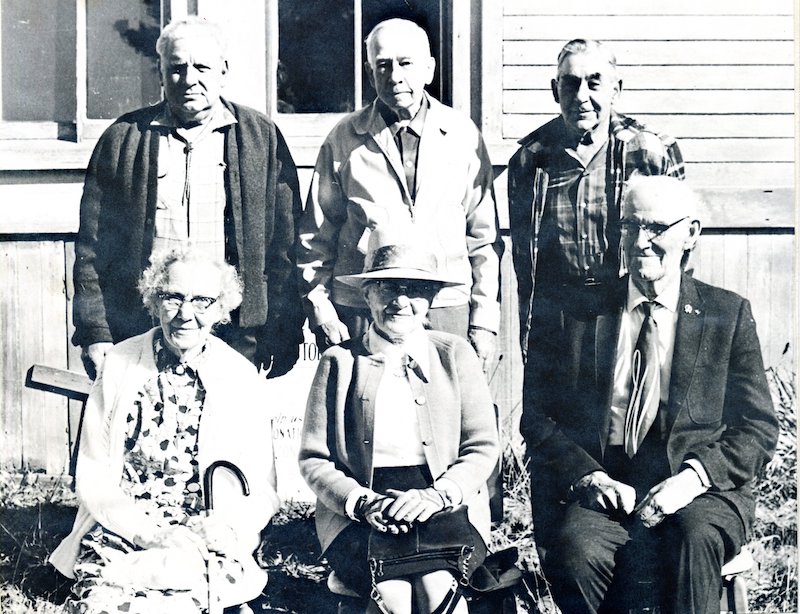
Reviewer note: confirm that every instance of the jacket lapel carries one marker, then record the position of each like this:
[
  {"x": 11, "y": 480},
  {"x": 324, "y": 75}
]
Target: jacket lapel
[
  {"x": 431, "y": 148},
  {"x": 372, "y": 123},
  {"x": 688, "y": 345},
  {"x": 605, "y": 360}
]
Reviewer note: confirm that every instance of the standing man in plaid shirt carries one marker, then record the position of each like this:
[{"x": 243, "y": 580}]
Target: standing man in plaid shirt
[{"x": 565, "y": 187}]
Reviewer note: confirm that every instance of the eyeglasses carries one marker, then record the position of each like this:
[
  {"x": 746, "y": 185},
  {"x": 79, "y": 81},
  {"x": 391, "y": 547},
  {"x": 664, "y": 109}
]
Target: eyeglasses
[
  {"x": 630, "y": 228},
  {"x": 411, "y": 289},
  {"x": 174, "y": 301}
]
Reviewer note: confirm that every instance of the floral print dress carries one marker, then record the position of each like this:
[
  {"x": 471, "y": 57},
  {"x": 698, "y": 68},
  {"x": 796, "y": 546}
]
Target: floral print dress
[{"x": 161, "y": 474}]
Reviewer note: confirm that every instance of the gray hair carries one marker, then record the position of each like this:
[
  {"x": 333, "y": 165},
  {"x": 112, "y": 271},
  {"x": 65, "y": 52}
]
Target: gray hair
[
  {"x": 155, "y": 277},
  {"x": 178, "y": 29},
  {"x": 583, "y": 45},
  {"x": 411, "y": 28}
]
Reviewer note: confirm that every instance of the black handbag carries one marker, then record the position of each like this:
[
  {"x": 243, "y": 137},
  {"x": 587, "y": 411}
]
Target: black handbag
[{"x": 446, "y": 541}]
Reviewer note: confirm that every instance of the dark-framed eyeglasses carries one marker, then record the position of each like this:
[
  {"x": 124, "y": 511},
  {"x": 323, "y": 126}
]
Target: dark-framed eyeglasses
[
  {"x": 652, "y": 231},
  {"x": 406, "y": 287},
  {"x": 174, "y": 301}
]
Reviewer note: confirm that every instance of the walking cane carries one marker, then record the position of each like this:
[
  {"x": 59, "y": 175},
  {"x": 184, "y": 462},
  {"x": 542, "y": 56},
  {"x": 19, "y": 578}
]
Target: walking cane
[{"x": 208, "y": 499}]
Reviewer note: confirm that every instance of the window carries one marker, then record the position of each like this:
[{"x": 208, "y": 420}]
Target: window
[
  {"x": 68, "y": 67},
  {"x": 320, "y": 55}
]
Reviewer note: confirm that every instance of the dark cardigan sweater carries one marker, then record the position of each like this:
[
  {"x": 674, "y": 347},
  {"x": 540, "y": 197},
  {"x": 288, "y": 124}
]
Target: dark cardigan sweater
[{"x": 117, "y": 217}]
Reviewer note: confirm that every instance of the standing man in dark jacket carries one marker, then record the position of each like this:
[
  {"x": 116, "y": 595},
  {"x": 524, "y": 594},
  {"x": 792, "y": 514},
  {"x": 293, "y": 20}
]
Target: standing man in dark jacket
[{"x": 193, "y": 168}]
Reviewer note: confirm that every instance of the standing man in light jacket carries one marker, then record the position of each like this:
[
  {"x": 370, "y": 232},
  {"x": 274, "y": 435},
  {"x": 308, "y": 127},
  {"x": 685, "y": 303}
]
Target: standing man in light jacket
[
  {"x": 405, "y": 157},
  {"x": 198, "y": 169}
]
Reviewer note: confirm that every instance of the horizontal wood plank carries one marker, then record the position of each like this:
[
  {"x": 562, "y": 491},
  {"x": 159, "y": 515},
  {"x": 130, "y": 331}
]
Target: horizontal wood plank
[
  {"x": 666, "y": 77},
  {"x": 677, "y": 101},
  {"x": 650, "y": 27},
  {"x": 688, "y": 53},
  {"x": 62, "y": 381},
  {"x": 40, "y": 208},
  {"x": 679, "y": 126},
  {"x": 738, "y": 150},
  {"x": 637, "y": 7}
]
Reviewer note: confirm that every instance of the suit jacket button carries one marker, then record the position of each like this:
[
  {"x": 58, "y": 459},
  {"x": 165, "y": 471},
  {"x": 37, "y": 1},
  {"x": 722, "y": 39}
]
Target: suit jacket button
[
  {"x": 420, "y": 400},
  {"x": 366, "y": 442}
]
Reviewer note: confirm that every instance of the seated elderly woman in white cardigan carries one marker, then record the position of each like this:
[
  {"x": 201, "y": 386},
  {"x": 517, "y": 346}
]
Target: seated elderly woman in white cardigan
[
  {"x": 169, "y": 405},
  {"x": 399, "y": 427}
]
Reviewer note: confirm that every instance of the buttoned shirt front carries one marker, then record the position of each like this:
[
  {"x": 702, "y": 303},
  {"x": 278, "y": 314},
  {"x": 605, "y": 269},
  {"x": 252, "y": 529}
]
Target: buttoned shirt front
[
  {"x": 191, "y": 183},
  {"x": 575, "y": 226},
  {"x": 396, "y": 433},
  {"x": 407, "y": 135}
]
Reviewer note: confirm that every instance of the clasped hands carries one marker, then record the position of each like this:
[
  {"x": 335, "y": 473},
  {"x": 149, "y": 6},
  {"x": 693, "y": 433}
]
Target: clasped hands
[
  {"x": 207, "y": 534},
  {"x": 599, "y": 491},
  {"x": 397, "y": 510}
]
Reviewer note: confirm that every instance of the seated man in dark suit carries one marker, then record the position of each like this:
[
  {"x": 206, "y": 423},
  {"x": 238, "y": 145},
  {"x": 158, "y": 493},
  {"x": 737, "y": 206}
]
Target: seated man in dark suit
[{"x": 649, "y": 425}]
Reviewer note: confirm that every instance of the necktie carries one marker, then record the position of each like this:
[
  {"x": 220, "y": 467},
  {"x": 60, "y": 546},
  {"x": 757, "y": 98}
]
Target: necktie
[{"x": 645, "y": 383}]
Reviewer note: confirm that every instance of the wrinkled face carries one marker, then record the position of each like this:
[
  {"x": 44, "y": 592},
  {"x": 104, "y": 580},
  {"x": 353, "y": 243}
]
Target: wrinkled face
[
  {"x": 400, "y": 67},
  {"x": 586, "y": 89},
  {"x": 655, "y": 236},
  {"x": 399, "y": 306},
  {"x": 193, "y": 75},
  {"x": 189, "y": 289}
]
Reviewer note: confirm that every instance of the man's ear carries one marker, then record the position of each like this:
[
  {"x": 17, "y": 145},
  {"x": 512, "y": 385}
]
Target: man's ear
[
  {"x": 694, "y": 235},
  {"x": 617, "y": 91},
  {"x": 370, "y": 74},
  {"x": 554, "y": 88},
  {"x": 160, "y": 73},
  {"x": 431, "y": 68}
]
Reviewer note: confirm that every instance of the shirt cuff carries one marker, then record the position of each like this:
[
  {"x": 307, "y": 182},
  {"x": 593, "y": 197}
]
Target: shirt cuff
[
  {"x": 352, "y": 498},
  {"x": 698, "y": 468},
  {"x": 450, "y": 490}
]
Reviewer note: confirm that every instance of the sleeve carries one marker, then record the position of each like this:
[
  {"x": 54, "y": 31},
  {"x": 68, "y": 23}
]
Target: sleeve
[
  {"x": 89, "y": 311},
  {"x": 750, "y": 432},
  {"x": 319, "y": 465},
  {"x": 98, "y": 476},
  {"x": 484, "y": 243},
  {"x": 323, "y": 218},
  {"x": 282, "y": 334},
  {"x": 478, "y": 449}
]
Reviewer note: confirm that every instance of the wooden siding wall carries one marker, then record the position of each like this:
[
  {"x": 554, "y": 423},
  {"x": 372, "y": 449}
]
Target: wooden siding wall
[{"x": 717, "y": 75}]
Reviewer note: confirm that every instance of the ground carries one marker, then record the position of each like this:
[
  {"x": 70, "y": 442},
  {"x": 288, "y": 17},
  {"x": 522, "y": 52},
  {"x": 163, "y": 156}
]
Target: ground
[{"x": 37, "y": 511}]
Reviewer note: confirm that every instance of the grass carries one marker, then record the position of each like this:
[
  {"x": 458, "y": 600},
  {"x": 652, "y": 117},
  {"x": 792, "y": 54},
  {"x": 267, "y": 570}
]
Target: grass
[{"x": 36, "y": 512}]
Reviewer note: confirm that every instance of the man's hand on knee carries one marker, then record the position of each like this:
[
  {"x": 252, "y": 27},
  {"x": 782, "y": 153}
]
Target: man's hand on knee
[
  {"x": 669, "y": 496},
  {"x": 599, "y": 491}
]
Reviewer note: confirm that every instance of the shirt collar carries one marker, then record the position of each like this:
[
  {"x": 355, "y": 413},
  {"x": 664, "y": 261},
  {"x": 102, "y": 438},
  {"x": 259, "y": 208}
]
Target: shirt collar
[
  {"x": 415, "y": 124},
  {"x": 220, "y": 118},
  {"x": 168, "y": 361},
  {"x": 667, "y": 299},
  {"x": 415, "y": 347}
]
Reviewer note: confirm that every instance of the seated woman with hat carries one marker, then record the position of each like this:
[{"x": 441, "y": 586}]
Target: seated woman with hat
[{"x": 399, "y": 428}]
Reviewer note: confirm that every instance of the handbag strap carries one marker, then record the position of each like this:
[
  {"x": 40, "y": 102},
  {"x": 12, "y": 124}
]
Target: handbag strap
[{"x": 451, "y": 599}]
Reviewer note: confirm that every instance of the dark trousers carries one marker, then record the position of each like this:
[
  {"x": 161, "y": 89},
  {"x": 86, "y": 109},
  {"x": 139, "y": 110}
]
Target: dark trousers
[{"x": 608, "y": 563}]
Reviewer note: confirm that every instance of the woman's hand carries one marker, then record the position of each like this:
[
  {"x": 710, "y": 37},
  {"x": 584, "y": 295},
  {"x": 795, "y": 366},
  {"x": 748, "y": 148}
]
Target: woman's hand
[
  {"x": 217, "y": 535},
  {"x": 372, "y": 510},
  {"x": 414, "y": 505},
  {"x": 176, "y": 536}
]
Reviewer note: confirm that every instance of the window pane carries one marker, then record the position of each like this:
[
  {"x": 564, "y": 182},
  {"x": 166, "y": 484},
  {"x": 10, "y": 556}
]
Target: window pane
[
  {"x": 315, "y": 56},
  {"x": 425, "y": 13},
  {"x": 38, "y": 60},
  {"x": 122, "y": 60}
]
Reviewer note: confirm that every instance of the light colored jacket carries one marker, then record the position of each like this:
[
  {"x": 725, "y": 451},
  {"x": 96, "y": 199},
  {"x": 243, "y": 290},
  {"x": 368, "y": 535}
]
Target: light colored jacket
[
  {"x": 456, "y": 420},
  {"x": 359, "y": 184},
  {"x": 235, "y": 426}
]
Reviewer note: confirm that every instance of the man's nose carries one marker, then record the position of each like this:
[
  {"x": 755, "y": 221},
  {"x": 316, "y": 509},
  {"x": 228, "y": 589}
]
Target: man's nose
[
  {"x": 394, "y": 72},
  {"x": 583, "y": 90},
  {"x": 192, "y": 75},
  {"x": 402, "y": 299},
  {"x": 643, "y": 239}
]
